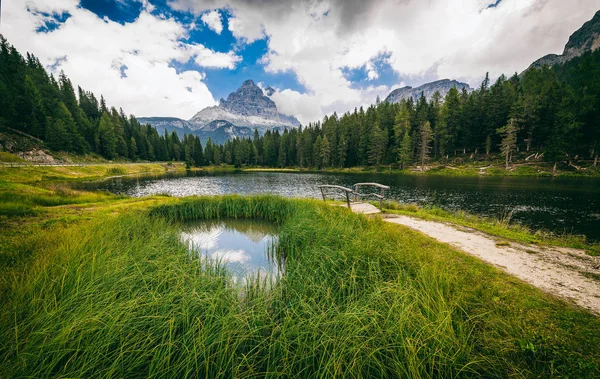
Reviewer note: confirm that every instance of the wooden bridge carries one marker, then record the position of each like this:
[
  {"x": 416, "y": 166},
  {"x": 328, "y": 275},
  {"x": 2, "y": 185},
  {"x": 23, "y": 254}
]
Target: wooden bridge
[{"x": 353, "y": 197}]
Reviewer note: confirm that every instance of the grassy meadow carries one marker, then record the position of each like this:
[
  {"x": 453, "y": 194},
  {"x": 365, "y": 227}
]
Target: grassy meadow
[{"x": 96, "y": 285}]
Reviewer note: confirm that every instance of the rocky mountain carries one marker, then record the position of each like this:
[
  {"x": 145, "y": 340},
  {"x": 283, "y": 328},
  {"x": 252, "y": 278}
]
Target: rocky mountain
[
  {"x": 587, "y": 38},
  {"x": 243, "y": 111},
  {"x": 220, "y": 131},
  {"x": 428, "y": 89}
]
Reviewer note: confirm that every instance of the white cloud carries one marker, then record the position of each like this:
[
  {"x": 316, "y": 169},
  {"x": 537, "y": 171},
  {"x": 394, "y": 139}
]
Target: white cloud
[
  {"x": 230, "y": 256},
  {"x": 314, "y": 40},
  {"x": 246, "y": 28},
  {"x": 92, "y": 52},
  {"x": 212, "y": 19},
  {"x": 422, "y": 40},
  {"x": 208, "y": 58}
]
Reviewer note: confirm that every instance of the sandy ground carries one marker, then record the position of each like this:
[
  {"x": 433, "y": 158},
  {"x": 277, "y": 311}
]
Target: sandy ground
[{"x": 558, "y": 271}]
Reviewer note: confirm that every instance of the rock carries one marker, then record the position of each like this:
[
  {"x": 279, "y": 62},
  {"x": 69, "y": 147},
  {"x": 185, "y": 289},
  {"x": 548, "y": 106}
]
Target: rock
[
  {"x": 249, "y": 100},
  {"x": 428, "y": 89},
  {"x": 587, "y": 38},
  {"x": 269, "y": 91},
  {"x": 37, "y": 156}
]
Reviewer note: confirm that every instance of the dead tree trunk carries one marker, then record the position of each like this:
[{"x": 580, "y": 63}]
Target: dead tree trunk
[
  {"x": 574, "y": 166},
  {"x": 554, "y": 169}
]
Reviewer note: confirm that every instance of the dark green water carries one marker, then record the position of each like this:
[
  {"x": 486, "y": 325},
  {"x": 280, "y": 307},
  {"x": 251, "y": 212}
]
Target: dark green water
[{"x": 558, "y": 204}]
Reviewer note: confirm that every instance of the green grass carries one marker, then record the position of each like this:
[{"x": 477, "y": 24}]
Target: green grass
[
  {"x": 45, "y": 174},
  {"x": 115, "y": 171},
  {"x": 503, "y": 228},
  {"x": 120, "y": 296},
  {"x": 8, "y": 157}
]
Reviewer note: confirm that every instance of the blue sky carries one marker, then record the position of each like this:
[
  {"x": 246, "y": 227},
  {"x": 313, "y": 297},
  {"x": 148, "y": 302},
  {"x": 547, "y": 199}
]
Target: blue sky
[
  {"x": 220, "y": 82},
  {"x": 175, "y": 57}
]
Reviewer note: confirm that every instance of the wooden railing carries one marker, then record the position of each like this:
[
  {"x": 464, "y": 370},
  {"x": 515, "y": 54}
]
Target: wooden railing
[
  {"x": 345, "y": 192},
  {"x": 380, "y": 195}
]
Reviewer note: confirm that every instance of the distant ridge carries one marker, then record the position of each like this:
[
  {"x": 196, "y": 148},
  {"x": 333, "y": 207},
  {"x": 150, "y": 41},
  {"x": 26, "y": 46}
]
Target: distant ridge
[{"x": 428, "y": 89}]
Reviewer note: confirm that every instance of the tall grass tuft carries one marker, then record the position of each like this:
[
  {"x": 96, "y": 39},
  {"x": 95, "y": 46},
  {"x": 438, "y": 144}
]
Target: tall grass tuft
[{"x": 360, "y": 298}]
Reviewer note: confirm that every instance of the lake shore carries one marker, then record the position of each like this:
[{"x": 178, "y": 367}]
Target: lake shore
[
  {"x": 39, "y": 179},
  {"x": 53, "y": 234},
  {"x": 492, "y": 169},
  {"x": 372, "y": 280}
]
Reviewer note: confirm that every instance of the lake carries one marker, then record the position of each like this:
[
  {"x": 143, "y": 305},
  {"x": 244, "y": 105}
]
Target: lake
[{"x": 569, "y": 205}]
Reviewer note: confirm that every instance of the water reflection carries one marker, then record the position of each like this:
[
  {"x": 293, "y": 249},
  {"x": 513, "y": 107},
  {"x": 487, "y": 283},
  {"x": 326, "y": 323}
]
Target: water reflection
[
  {"x": 246, "y": 248},
  {"x": 559, "y": 204}
]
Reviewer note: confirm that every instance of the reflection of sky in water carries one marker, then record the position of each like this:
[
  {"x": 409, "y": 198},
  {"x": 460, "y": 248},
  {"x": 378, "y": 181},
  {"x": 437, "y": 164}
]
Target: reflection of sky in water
[
  {"x": 558, "y": 204},
  {"x": 244, "y": 247}
]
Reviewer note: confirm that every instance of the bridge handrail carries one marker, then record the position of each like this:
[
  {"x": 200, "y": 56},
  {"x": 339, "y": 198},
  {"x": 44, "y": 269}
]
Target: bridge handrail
[
  {"x": 380, "y": 195},
  {"x": 371, "y": 184},
  {"x": 347, "y": 192}
]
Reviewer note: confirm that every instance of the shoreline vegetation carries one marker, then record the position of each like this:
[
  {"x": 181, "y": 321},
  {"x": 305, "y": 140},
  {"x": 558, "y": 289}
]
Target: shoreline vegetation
[
  {"x": 98, "y": 283},
  {"x": 488, "y": 169},
  {"x": 477, "y": 168},
  {"x": 33, "y": 180}
]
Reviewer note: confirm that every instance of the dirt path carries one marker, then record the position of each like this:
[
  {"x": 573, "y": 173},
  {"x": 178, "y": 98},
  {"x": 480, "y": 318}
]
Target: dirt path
[{"x": 568, "y": 273}]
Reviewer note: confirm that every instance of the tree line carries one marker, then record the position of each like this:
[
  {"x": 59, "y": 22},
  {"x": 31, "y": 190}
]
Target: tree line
[
  {"x": 36, "y": 103},
  {"x": 551, "y": 111},
  {"x": 554, "y": 111}
]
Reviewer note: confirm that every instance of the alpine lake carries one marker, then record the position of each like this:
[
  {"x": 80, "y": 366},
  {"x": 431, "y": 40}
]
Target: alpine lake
[{"x": 560, "y": 205}]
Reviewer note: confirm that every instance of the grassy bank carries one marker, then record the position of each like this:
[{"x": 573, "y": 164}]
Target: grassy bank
[
  {"x": 478, "y": 168},
  {"x": 118, "y": 295},
  {"x": 86, "y": 172},
  {"x": 502, "y": 228}
]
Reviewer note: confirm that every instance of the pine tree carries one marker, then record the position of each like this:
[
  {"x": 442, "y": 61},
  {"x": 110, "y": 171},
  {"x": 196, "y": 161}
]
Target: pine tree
[
  {"x": 509, "y": 141},
  {"x": 325, "y": 154},
  {"x": 377, "y": 146},
  {"x": 132, "y": 149},
  {"x": 108, "y": 141},
  {"x": 342, "y": 151},
  {"x": 405, "y": 155},
  {"x": 401, "y": 126},
  {"x": 198, "y": 154},
  {"x": 56, "y": 135},
  {"x": 425, "y": 139},
  {"x": 317, "y": 154}
]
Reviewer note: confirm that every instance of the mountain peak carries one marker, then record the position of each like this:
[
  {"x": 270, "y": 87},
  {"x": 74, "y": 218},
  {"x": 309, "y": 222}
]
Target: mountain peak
[
  {"x": 249, "y": 107},
  {"x": 249, "y": 100},
  {"x": 586, "y": 38},
  {"x": 428, "y": 89}
]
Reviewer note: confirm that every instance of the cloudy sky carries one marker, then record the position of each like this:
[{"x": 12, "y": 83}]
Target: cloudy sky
[{"x": 175, "y": 57}]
